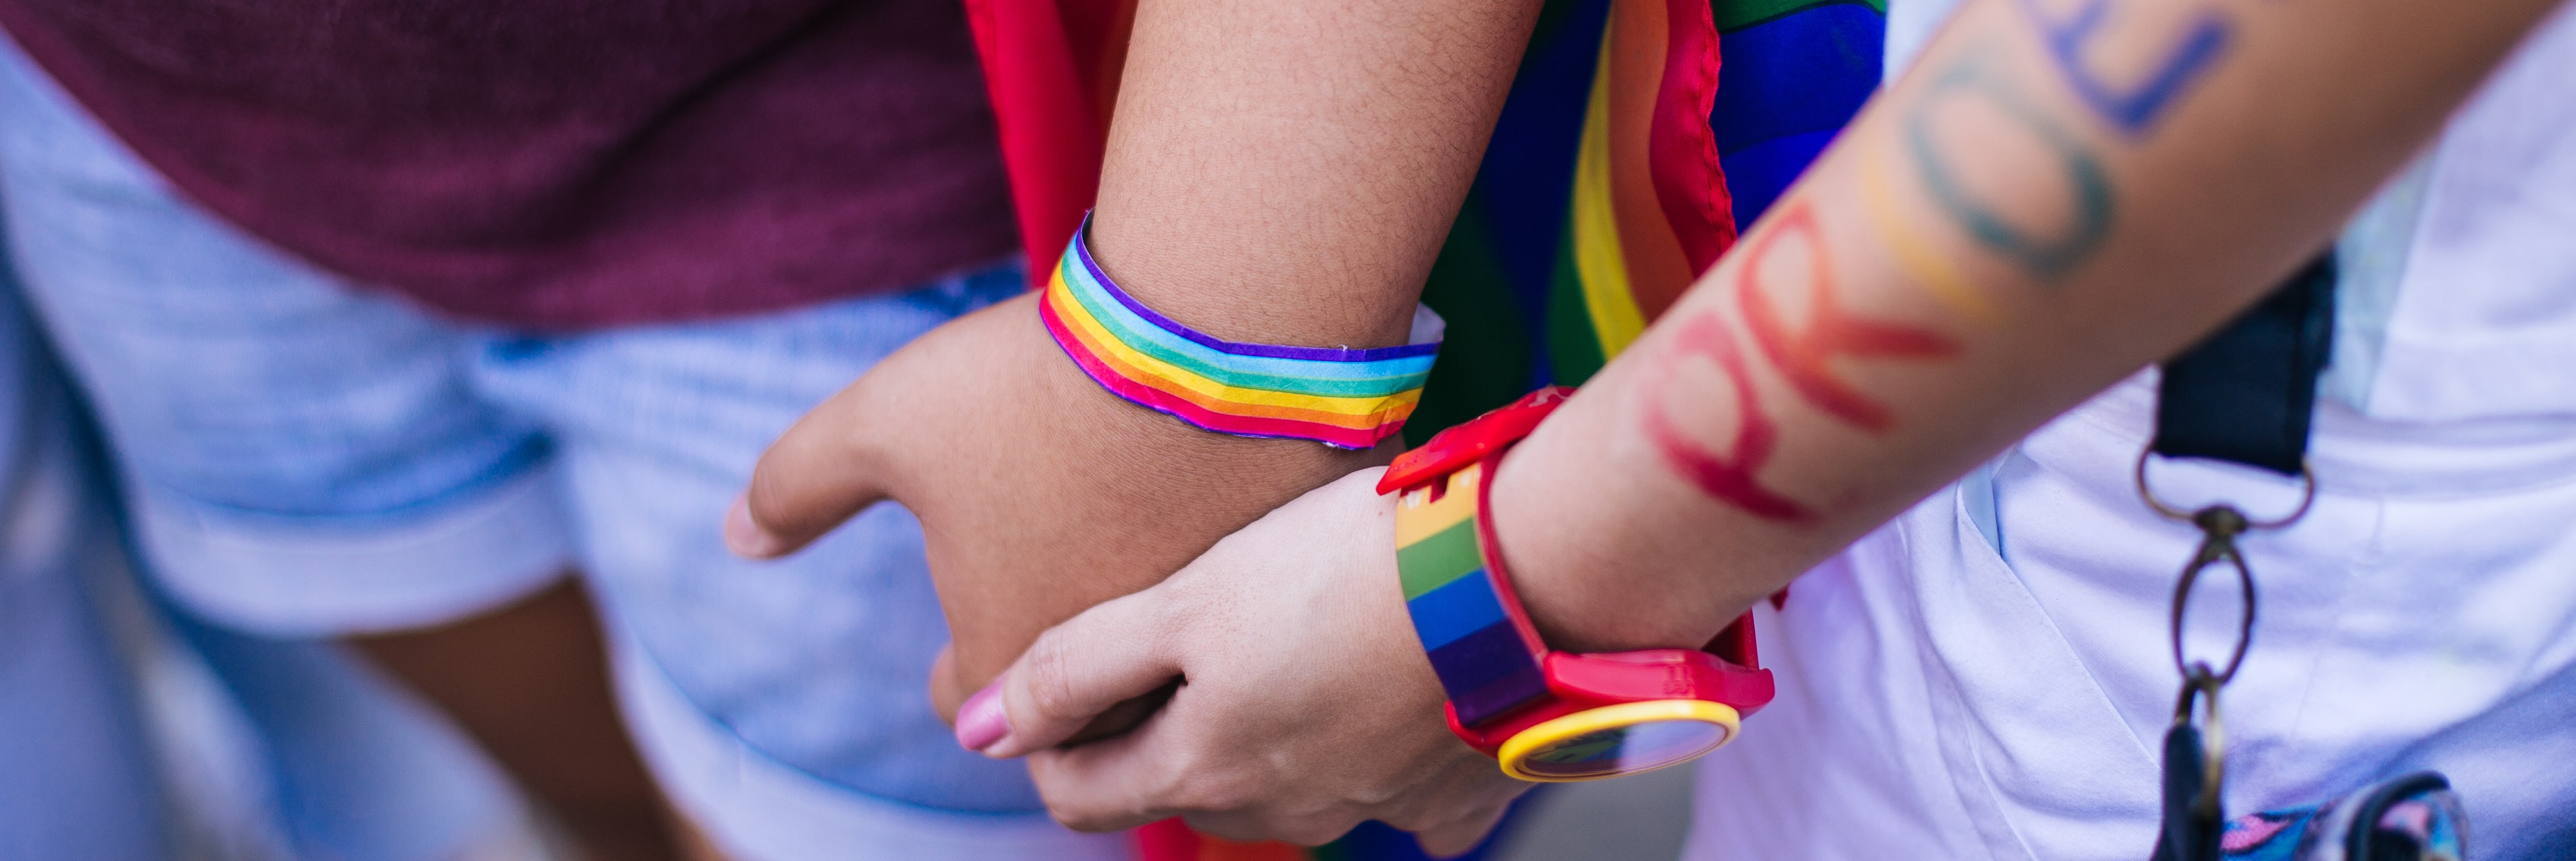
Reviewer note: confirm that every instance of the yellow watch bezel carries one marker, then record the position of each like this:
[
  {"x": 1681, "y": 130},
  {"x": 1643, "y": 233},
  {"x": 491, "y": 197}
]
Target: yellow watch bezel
[{"x": 1523, "y": 743}]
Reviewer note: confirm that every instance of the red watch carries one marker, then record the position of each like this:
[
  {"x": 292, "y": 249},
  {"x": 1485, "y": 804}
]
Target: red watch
[{"x": 1544, "y": 715}]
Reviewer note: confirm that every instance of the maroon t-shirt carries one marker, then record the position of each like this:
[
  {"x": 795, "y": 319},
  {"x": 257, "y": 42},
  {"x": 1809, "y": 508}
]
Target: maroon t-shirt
[{"x": 560, "y": 163}]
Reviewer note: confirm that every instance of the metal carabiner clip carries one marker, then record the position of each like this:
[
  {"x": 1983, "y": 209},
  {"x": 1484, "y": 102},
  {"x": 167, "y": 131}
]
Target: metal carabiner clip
[{"x": 2219, "y": 525}]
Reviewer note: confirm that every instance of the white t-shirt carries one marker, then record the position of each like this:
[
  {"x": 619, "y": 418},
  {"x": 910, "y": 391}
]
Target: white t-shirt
[{"x": 1989, "y": 675}]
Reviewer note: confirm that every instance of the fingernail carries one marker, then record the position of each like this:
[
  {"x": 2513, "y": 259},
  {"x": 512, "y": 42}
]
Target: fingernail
[
  {"x": 981, "y": 724},
  {"x": 744, "y": 537}
]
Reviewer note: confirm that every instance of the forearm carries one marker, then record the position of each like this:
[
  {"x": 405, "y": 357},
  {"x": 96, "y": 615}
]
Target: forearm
[
  {"x": 2002, "y": 233},
  {"x": 1277, "y": 173},
  {"x": 1285, "y": 172}
]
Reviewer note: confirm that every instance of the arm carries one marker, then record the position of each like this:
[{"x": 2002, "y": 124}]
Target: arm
[
  {"x": 2002, "y": 233},
  {"x": 1277, "y": 172},
  {"x": 1285, "y": 172},
  {"x": 2005, "y": 232}
]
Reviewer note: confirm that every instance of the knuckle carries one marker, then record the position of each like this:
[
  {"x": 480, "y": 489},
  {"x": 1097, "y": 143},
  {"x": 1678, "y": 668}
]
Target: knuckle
[
  {"x": 1191, "y": 782},
  {"x": 1081, "y": 805},
  {"x": 1177, "y": 781},
  {"x": 1229, "y": 791},
  {"x": 1213, "y": 784},
  {"x": 1384, "y": 794}
]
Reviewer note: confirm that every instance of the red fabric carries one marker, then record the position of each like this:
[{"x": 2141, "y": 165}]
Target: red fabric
[
  {"x": 1166, "y": 840},
  {"x": 560, "y": 163},
  {"x": 1047, "y": 105},
  {"x": 1688, "y": 179},
  {"x": 1170, "y": 840}
]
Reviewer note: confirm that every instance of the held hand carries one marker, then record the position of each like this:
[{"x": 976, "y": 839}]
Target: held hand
[
  {"x": 1039, "y": 493},
  {"x": 1305, "y": 705}
]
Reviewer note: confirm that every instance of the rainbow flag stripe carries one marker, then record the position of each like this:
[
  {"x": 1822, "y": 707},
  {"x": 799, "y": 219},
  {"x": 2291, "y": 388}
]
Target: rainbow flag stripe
[
  {"x": 1340, "y": 397},
  {"x": 1625, "y": 161}
]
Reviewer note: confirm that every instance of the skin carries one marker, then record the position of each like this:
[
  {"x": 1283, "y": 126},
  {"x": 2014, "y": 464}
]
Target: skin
[
  {"x": 530, "y": 683},
  {"x": 1278, "y": 173},
  {"x": 2050, "y": 200}
]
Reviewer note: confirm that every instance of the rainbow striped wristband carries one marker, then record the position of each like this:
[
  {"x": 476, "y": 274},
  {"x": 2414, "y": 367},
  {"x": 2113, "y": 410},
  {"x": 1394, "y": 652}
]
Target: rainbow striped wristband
[{"x": 1339, "y": 397}]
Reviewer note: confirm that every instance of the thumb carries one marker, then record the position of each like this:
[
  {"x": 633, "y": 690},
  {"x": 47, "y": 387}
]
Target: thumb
[
  {"x": 1088, "y": 666},
  {"x": 814, "y": 477}
]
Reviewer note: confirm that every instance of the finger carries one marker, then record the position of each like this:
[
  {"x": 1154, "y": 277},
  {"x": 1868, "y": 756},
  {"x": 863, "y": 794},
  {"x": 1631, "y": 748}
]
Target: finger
[
  {"x": 1112, "y": 653},
  {"x": 1247, "y": 826},
  {"x": 814, "y": 477},
  {"x": 1458, "y": 836},
  {"x": 1258, "y": 826},
  {"x": 1158, "y": 772},
  {"x": 947, "y": 696},
  {"x": 1108, "y": 785},
  {"x": 1125, "y": 715}
]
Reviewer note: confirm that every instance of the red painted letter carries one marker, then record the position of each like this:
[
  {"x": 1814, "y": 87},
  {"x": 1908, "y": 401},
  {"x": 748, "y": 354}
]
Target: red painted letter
[
  {"x": 1728, "y": 477},
  {"x": 1803, "y": 355}
]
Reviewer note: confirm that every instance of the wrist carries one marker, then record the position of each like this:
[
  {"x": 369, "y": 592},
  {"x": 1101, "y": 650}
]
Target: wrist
[
  {"x": 1585, "y": 550},
  {"x": 1129, "y": 496},
  {"x": 1546, "y": 711},
  {"x": 1242, "y": 296},
  {"x": 1344, "y": 397}
]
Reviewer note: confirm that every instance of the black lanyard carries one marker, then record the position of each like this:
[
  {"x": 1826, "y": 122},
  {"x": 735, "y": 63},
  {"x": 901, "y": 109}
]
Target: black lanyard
[{"x": 2246, "y": 395}]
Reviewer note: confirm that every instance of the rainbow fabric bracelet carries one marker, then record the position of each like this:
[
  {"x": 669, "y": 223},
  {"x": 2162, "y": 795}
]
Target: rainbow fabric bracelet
[{"x": 1339, "y": 397}]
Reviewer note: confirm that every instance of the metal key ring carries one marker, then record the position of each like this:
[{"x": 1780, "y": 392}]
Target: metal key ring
[
  {"x": 2307, "y": 496},
  {"x": 2201, "y": 686}
]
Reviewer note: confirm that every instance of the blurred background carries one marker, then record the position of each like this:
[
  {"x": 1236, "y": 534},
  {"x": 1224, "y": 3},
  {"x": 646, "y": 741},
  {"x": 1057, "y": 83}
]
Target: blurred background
[{"x": 1641, "y": 818}]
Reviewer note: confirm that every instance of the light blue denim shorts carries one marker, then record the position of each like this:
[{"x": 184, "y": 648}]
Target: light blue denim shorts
[
  {"x": 76, "y": 778},
  {"x": 308, "y": 457}
]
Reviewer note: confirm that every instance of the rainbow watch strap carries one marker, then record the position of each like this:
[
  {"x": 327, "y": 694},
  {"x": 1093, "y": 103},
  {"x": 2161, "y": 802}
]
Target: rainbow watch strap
[
  {"x": 1480, "y": 641},
  {"x": 1345, "y": 398}
]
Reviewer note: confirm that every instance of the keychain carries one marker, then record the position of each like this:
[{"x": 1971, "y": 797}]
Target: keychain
[
  {"x": 2245, "y": 395},
  {"x": 2195, "y": 749}
]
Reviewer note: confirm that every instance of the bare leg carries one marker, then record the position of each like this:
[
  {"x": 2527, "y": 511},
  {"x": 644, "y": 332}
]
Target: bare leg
[
  {"x": 530, "y": 682},
  {"x": 694, "y": 845}
]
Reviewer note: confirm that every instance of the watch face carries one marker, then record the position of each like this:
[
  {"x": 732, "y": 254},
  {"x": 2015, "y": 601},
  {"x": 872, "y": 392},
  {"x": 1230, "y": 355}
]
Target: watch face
[{"x": 1612, "y": 751}]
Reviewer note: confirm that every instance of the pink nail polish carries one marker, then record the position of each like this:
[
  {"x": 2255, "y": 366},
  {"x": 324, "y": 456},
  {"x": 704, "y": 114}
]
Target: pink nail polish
[
  {"x": 981, "y": 722},
  {"x": 744, "y": 537}
]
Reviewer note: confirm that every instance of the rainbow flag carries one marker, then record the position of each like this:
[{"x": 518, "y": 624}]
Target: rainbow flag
[
  {"x": 1625, "y": 162},
  {"x": 1557, "y": 260}
]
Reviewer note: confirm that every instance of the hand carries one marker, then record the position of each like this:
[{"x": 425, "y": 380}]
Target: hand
[
  {"x": 1306, "y": 704},
  {"x": 1039, "y": 493}
]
